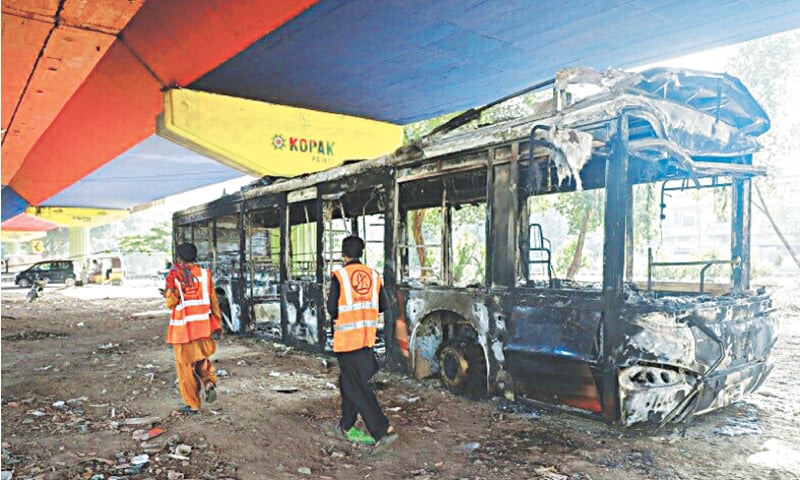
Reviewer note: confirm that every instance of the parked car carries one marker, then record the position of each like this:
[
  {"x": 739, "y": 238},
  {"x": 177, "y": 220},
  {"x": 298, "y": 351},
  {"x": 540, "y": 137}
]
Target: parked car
[{"x": 54, "y": 271}]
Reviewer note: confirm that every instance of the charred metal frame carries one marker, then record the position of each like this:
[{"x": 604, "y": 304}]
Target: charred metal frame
[{"x": 613, "y": 353}]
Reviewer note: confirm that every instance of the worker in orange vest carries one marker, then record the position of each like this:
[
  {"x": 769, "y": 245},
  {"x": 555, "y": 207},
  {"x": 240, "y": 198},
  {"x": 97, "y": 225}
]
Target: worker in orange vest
[
  {"x": 355, "y": 301},
  {"x": 195, "y": 316}
]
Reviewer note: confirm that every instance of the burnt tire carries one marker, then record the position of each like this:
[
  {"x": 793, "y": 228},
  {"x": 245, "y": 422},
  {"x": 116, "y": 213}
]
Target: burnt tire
[{"x": 462, "y": 367}]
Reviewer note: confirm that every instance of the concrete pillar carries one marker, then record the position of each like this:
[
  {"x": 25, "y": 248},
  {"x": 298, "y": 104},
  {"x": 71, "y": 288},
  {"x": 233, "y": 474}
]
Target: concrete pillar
[{"x": 80, "y": 247}]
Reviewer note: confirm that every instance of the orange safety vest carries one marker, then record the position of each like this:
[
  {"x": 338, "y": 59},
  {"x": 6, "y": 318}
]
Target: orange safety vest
[
  {"x": 191, "y": 318},
  {"x": 356, "y": 325}
]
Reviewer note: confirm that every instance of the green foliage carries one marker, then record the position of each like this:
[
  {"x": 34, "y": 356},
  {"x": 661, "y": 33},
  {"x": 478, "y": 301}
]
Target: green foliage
[
  {"x": 646, "y": 213},
  {"x": 769, "y": 68},
  {"x": 56, "y": 243},
  {"x": 469, "y": 261},
  {"x": 469, "y": 244},
  {"x": 156, "y": 240},
  {"x": 573, "y": 207},
  {"x": 513, "y": 108}
]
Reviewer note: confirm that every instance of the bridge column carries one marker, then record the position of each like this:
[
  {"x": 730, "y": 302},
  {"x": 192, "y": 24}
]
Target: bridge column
[{"x": 80, "y": 247}]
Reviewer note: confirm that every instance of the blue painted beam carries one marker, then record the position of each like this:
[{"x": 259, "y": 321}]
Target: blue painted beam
[
  {"x": 407, "y": 60},
  {"x": 151, "y": 170},
  {"x": 12, "y": 203}
]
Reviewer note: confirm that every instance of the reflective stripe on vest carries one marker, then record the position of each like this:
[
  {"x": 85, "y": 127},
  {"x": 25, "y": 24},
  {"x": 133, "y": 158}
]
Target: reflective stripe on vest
[
  {"x": 355, "y": 325},
  {"x": 184, "y": 310},
  {"x": 357, "y": 321},
  {"x": 191, "y": 317}
]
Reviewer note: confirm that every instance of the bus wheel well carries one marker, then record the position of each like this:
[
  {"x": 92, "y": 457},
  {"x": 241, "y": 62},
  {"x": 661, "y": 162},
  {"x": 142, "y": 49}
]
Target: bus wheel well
[{"x": 434, "y": 331}]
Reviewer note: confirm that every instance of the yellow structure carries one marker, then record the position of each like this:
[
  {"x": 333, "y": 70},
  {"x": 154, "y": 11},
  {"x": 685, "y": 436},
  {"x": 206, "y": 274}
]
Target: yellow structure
[
  {"x": 77, "y": 217},
  {"x": 260, "y": 138},
  {"x": 13, "y": 236}
]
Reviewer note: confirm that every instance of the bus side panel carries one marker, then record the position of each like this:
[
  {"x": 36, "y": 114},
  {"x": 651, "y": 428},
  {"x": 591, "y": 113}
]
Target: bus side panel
[
  {"x": 301, "y": 302},
  {"x": 551, "y": 354}
]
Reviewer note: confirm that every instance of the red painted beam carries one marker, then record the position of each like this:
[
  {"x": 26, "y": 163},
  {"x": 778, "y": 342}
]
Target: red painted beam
[
  {"x": 109, "y": 16},
  {"x": 27, "y": 223},
  {"x": 112, "y": 111},
  {"x": 68, "y": 58},
  {"x": 38, "y": 9},
  {"x": 22, "y": 40},
  {"x": 181, "y": 40}
]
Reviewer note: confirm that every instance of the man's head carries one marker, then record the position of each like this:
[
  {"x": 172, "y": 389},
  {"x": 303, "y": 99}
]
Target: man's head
[
  {"x": 186, "y": 252},
  {"x": 352, "y": 247}
]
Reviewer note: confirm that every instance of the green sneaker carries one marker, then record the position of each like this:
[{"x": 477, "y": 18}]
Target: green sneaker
[{"x": 357, "y": 435}]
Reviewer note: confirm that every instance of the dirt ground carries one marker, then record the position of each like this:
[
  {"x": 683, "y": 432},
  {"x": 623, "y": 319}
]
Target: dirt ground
[{"x": 105, "y": 359}]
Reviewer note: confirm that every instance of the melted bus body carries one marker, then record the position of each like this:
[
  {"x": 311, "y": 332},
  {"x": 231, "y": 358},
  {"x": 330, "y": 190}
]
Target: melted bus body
[{"x": 494, "y": 315}]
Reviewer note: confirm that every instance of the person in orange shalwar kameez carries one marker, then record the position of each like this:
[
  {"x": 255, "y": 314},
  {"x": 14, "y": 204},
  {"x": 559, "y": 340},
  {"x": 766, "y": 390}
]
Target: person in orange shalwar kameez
[{"x": 189, "y": 293}]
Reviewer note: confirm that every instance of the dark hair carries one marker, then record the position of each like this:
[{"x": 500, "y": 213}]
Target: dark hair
[
  {"x": 352, "y": 247},
  {"x": 186, "y": 252}
]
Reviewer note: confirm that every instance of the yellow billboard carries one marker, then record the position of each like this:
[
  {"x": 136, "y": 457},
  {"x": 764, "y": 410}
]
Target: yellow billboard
[
  {"x": 260, "y": 138},
  {"x": 77, "y": 216}
]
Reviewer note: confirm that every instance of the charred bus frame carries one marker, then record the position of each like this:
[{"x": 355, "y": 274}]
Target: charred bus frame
[{"x": 616, "y": 352}]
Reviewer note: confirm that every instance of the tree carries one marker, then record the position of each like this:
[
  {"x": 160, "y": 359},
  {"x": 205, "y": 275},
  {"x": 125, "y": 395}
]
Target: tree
[
  {"x": 583, "y": 213},
  {"x": 156, "y": 240},
  {"x": 769, "y": 67},
  {"x": 56, "y": 243}
]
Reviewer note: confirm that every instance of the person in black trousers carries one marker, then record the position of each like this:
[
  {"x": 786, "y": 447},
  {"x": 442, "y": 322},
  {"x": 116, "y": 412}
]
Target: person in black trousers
[{"x": 355, "y": 301}]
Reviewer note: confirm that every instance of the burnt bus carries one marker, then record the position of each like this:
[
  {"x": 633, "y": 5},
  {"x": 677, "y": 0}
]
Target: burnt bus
[{"x": 496, "y": 313}]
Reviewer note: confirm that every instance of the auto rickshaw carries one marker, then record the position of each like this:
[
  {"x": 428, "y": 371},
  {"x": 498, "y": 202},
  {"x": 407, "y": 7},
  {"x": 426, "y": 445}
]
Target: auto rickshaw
[{"x": 107, "y": 269}]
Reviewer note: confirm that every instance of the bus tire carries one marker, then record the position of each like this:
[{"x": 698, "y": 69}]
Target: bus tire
[{"x": 462, "y": 367}]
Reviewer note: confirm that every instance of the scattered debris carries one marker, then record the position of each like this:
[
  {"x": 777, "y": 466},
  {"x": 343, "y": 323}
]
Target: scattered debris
[
  {"x": 80, "y": 324},
  {"x": 469, "y": 447},
  {"x": 286, "y": 389},
  {"x": 183, "y": 449},
  {"x": 144, "y": 435},
  {"x": 221, "y": 372},
  {"x": 409, "y": 399},
  {"x": 43, "y": 369},
  {"x": 549, "y": 473},
  {"x": 274, "y": 374},
  {"x": 178, "y": 457},
  {"x": 304, "y": 470},
  {"x": 33, "y": 335},
  {"x": 61, "y": 405},
  {"x": 141, "y": 421}
]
